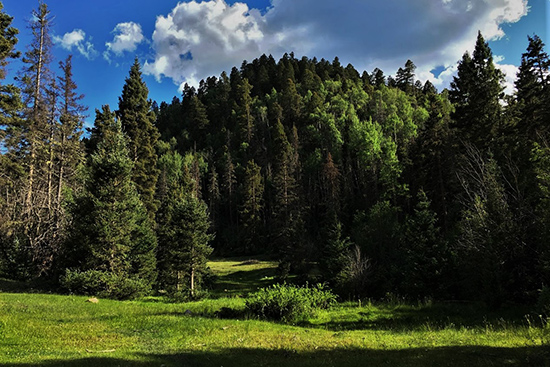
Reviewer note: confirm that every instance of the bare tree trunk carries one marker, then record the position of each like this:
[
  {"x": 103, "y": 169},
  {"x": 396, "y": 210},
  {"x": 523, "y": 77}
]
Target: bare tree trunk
[
  {"x": 61, "y": 173},
  {"x": 192, "y": 281},
  {"x": 36, "y": 103},
  {"x": 50, "y": 168}
]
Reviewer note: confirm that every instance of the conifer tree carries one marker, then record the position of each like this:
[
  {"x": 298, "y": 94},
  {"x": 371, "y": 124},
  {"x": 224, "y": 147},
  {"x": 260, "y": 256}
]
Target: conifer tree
[
  {"x": 12, "y": 173},
  {"x": 425, "y": 253},
  {"x": 137, "y": 118},
  {"x": 35, "y": 79},
  {"x": 69, "y": 151},
  {"x": 31, "y": 138},
  {"x": 533, "y": 91},
  {"x": 476, "y": 93},
  {"x": 183, "y": 230},
  {"x": 251, "y": 218},
  {"x": 8, "y": 40},
  {"x": 111, "y": 231},
  {"x": 404, "y": 78},
  {"x": 287, "y": 228}
]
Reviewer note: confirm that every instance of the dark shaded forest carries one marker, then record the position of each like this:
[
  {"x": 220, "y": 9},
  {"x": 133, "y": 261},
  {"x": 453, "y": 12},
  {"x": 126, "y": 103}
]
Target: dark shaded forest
[{"x": 373, "y": 184}]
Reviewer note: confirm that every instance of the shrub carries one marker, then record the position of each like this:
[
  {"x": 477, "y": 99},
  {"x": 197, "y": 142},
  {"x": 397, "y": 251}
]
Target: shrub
[
  {"x": 104, "y": 284},
  {"x": 289, "y": 303}
]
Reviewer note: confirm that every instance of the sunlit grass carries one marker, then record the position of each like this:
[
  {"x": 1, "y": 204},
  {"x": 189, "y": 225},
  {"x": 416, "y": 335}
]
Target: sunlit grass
[
  {"x": 45, "y": 329},
  {"x": 240, "y": 276}
]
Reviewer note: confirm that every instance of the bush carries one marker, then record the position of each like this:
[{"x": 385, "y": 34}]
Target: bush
[
  {"x": 289, "y": 303},
  {"x": 104, "y": 284}
]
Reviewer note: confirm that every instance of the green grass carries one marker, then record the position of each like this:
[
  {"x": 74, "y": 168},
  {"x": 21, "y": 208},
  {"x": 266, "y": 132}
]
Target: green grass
[
  {"x": 55, "y": 330},
  {"x": 242, "y": 275}
]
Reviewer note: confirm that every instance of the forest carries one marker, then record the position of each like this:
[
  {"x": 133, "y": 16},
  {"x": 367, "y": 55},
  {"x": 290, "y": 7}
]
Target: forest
[{"x": 371, "y": 184}]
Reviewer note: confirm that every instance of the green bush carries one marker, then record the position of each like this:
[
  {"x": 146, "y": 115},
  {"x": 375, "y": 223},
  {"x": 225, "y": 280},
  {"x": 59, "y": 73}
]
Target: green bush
[
  {"x": 289, "y": 303},
  {"x": 104, "y": 284}
]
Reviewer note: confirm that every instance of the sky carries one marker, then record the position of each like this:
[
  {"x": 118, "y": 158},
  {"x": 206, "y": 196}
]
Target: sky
[{"x": 186, "y": 41}]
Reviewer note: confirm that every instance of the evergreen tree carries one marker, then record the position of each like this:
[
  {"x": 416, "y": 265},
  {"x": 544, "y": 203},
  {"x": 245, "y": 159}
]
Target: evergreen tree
[
  {"x": 12, "y": 173},
  {"x": 251, "y": 208},
  {"x": 8, "y": 40},
  {"x": 404, "y": 78},
  {"x": 476, "y": 93},
  {"x": 425, "y": 253},
  {"x": 489, "y": 236},
  {"x": 533, "y": 91},
  {"x": 287, "y": 229},
  {"x": 198, "y": 122},
  {"x": 137, "y": 118},
  {"x": 183, "y": 229},
  {"x": 69, "y": 148},
  {"x": 102, "y": 119},
  {"x": 32, "y": 138},
  {"x": 189, "y": 248},
  {"x": 111, "y": 230},
  {"x": 244, "y": 112}
]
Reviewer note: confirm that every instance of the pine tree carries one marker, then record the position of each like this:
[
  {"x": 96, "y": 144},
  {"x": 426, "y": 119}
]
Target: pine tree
[
  {"x": 183, "y": 230},
  {"x": 174, "y": 182},
  {"x": 137, "y": 118},
  {"x": 197, "y": 121},
  {"x": 8, "y": 40},
  {"x": 404, "y": 78},
  {"x": 190, "y": 246},
  {"x": 12, "y": 173},
  {"x": 476, "y": 93},
  {"x": 97, "y": 131},
  {"x": 533, "y": 91},
  {"x": 251, "y": 208},
  {"x": 489, "y": 237},
  {"x": 111, "y": 230},
  {"x": 425, "y": 253},
  {"x": 32, "y": 139},
  {"x": 69, "y": 152},
  {"x": 287, "y": 229}
]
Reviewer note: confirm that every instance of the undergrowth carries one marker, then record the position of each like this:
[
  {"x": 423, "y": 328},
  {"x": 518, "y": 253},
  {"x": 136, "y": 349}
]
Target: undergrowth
[{"x": 289, "y": 303}]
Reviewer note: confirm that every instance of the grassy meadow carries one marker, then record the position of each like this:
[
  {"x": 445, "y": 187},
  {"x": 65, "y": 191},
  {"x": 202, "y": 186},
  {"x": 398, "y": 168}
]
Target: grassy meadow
[{"x": 38, "y": 329}]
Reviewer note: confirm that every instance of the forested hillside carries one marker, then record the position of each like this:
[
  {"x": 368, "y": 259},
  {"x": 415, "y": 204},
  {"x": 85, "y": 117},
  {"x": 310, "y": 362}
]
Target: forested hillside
[{"x": 370, "y": 183}]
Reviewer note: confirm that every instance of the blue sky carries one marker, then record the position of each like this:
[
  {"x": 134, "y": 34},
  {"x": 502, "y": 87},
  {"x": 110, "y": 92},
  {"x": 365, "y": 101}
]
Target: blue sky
[{"x": 186, "y": 41}]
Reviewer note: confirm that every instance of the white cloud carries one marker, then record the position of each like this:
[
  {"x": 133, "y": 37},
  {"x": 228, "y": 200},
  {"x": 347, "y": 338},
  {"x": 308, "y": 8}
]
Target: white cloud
[
  {"x": 200, "y": 39},
  {"x": 127, "y": 37},
  {"x": 77, "y": 39},
  {"x": 510, "y": 74},
  {"x": 197, "y": 40}
]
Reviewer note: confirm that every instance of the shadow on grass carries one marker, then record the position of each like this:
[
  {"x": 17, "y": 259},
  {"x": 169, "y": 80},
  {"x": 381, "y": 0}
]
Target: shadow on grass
[
  {"x": 14, "y": 286},
  {"x": 443, "y": 356},
  {"x": 240, "y": 283},
  {"x": 436, "y": 317}
]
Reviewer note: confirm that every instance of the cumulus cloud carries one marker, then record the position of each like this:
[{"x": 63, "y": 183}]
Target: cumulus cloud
[
  {"x": 77, "y": 39},
  {"x": 197, "y": 40},
  {"x": 127, "y": 37}
]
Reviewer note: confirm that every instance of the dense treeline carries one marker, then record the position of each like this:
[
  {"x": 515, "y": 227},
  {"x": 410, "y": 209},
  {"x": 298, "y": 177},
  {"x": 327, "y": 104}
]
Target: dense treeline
[{"x": 370, "y": 183}]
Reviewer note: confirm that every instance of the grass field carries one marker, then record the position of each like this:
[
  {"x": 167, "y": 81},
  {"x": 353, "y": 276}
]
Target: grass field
[{"x": 53, "y": 330}]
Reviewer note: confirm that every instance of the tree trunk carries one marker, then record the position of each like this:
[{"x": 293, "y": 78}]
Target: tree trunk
[{"x": 192, "y": 281}]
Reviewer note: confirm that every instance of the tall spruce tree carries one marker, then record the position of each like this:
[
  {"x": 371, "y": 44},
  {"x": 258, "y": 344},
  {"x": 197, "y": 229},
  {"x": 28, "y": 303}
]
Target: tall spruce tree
[
  {"x": 183, "y": 228},
  {"x": 533, "y": 91},
  {"x": 12, "y": 174},
  {"x": 251, "y": 208},
  {"x": 137, "y": 118},
  {"x": 69, "y": 152},
  {"x": 111, "y": 231},
  {"x": 476, "y": 93}
]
